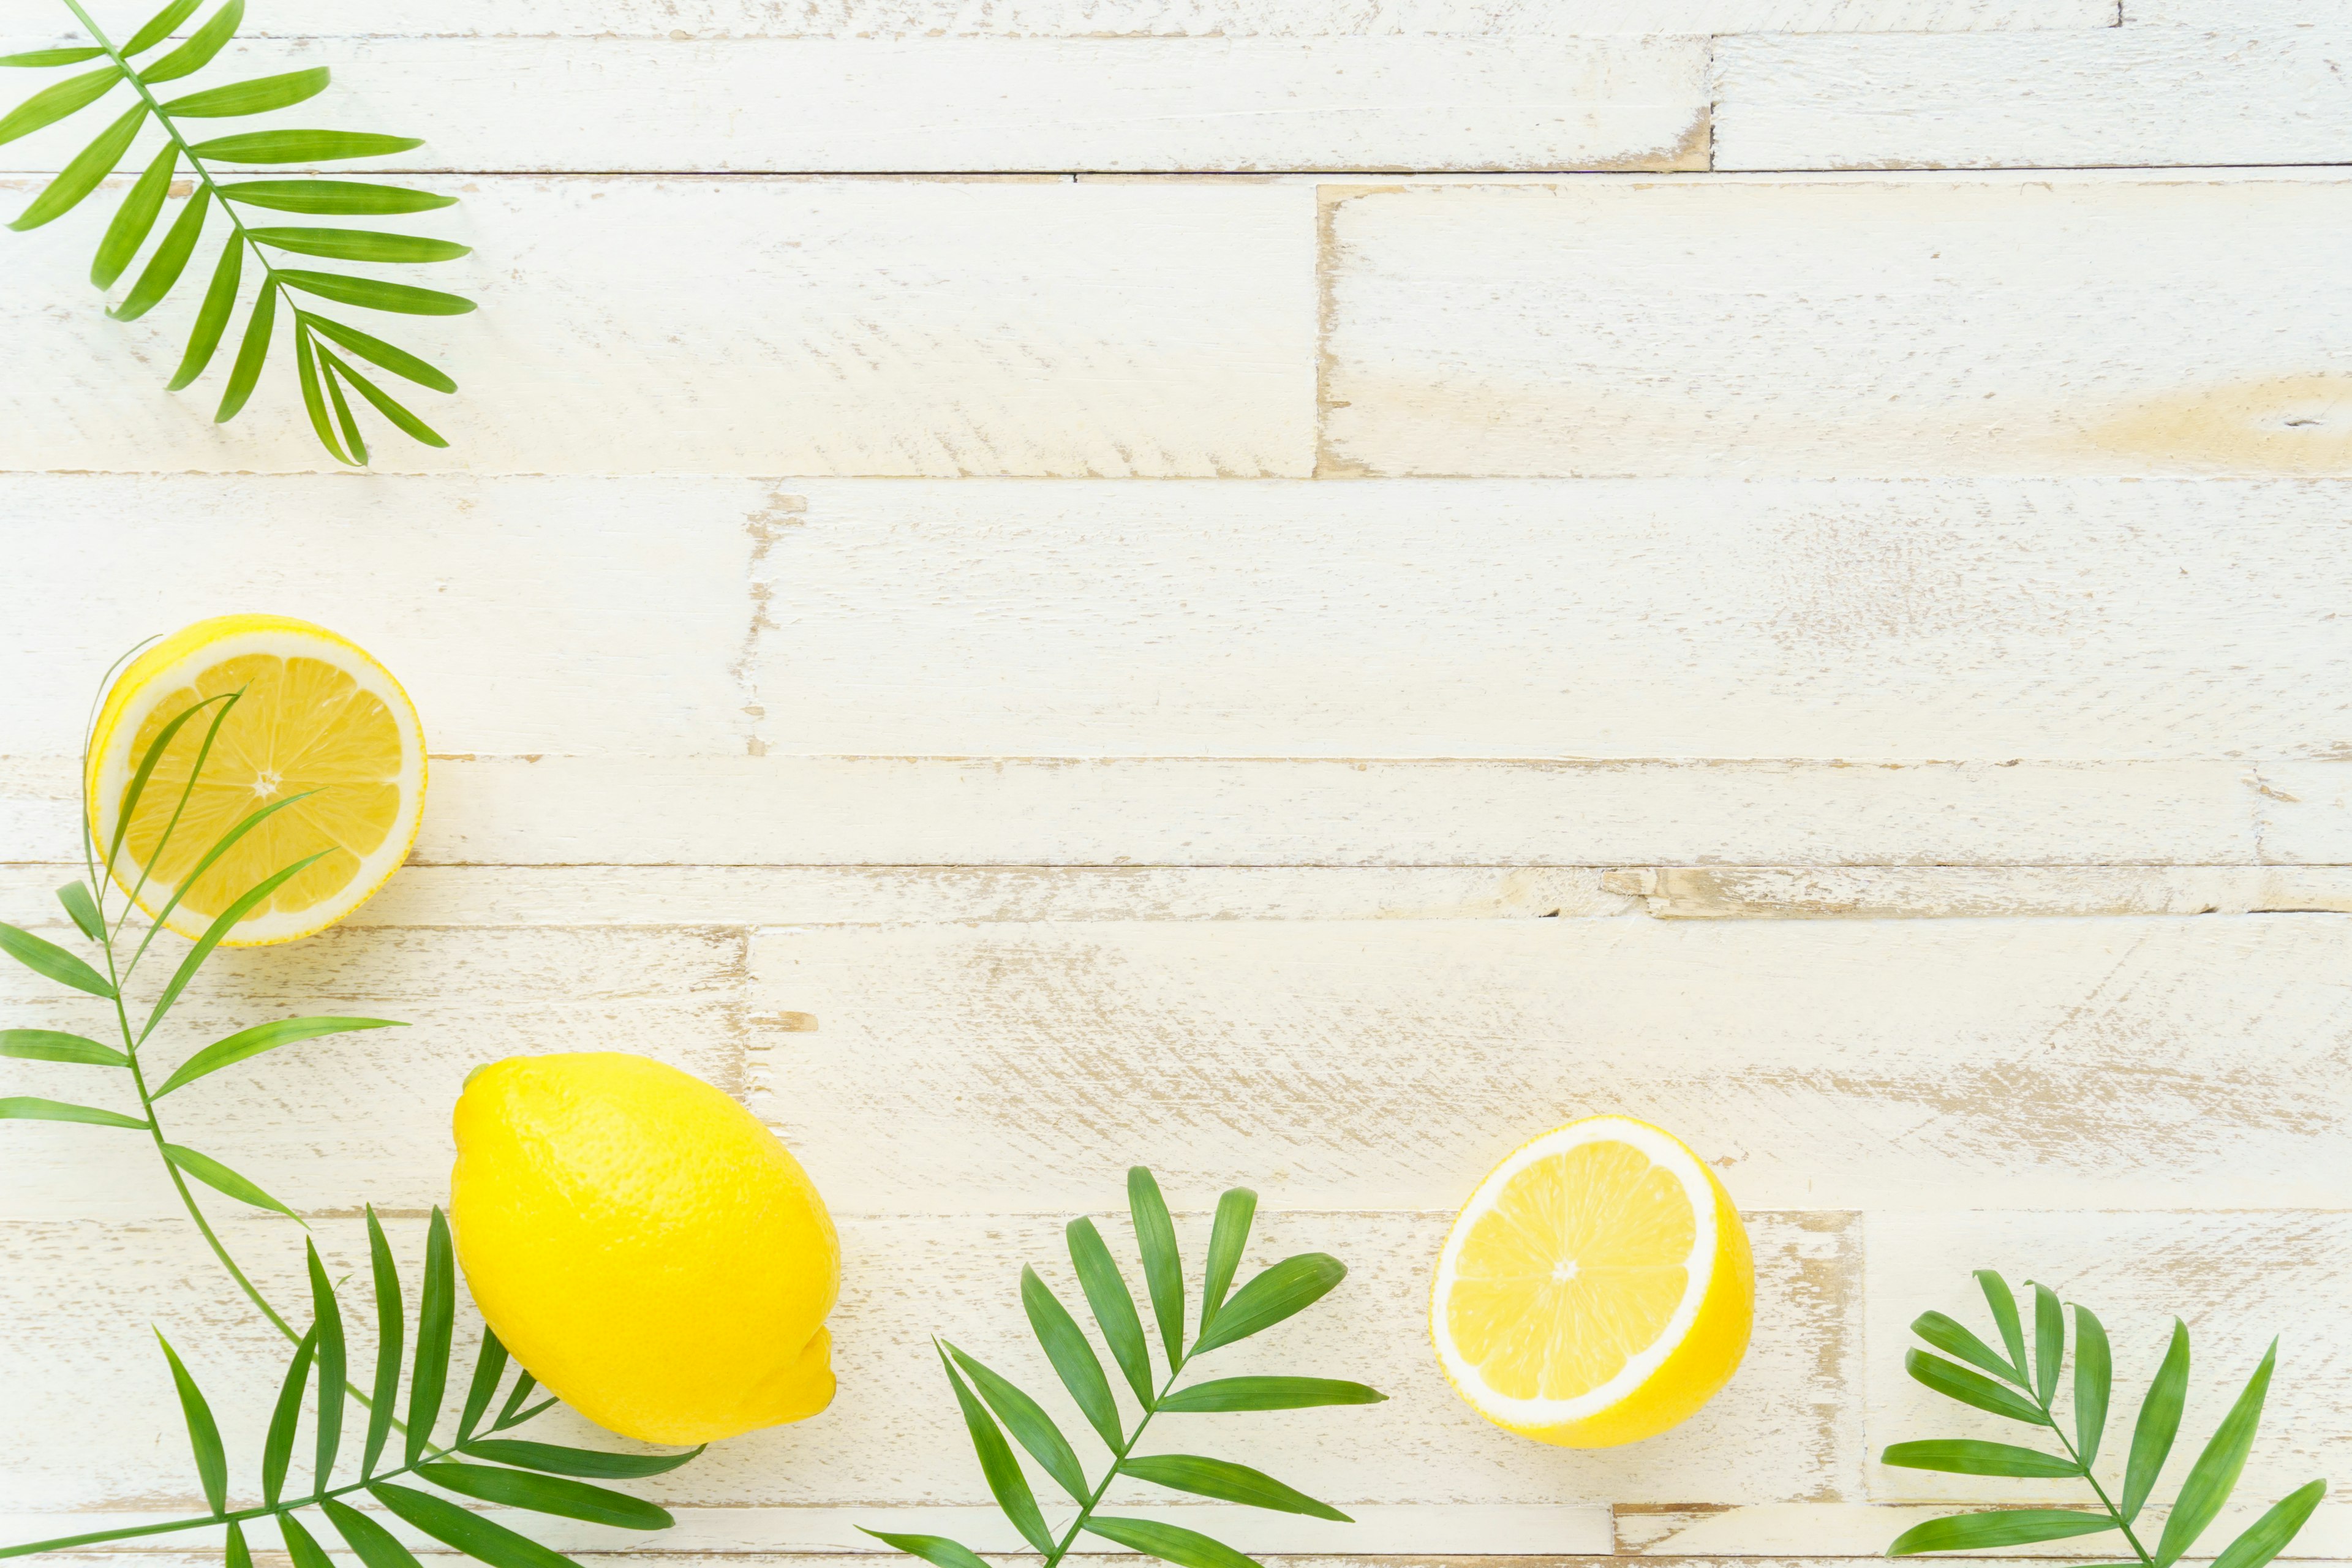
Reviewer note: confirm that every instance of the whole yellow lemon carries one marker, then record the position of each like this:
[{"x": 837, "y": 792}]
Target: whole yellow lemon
[{"x": 644, "y": 1246}]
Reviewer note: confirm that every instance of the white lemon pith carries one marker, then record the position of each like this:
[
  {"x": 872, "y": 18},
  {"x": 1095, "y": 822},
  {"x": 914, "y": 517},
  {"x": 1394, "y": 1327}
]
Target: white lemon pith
[
  {"x": 1596, "y": 1288},
  {"x": 318, "y": 717}
]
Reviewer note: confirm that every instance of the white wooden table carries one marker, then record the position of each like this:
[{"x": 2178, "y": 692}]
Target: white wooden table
[{"x": 1827, "y": 627}]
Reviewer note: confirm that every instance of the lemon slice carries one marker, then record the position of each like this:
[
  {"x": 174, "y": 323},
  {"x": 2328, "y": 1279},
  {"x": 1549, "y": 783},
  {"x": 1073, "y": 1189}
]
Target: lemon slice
[
  {"x": 1596, "y": 1288},
  {"x": 319, "y": 718}
]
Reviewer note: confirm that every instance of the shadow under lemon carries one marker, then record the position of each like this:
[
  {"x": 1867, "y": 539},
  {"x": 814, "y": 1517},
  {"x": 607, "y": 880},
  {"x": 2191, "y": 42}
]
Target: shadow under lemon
[{"x": 644, "y": 1246}]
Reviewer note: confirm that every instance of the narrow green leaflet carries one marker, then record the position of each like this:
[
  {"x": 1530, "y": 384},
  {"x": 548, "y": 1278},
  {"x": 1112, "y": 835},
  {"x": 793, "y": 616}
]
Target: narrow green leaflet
[
  {"x": 221, "y": 1179},
  {"x": 1228, "y": 1482},
  {"x": 1267, "y": 1394},
  {"x": 354, "y": 442},
  {"x": 510, "y": 1413},
  {"x": 212, "y": 320},
  {"x": 556, "y": 1459},
  {"x": 1002, "y": 1471},
  {"x": 278, "y": 1448},
  {"x": 389, "y": 1329},
  {"x": 201, "y": 47},
  {"x": 70, "y": 56},
  {"x": 300, "y": 146},
  {"x": 254, "y": 97},
  {"x": 2049, "y": 1342},
  {"x": 134, "y": 217},
  {"x": 222, "y": 924},
  {"x": 936, "y": 1550},
  {"x": 546, "y": 1494},
  {"x": 1955, "y": 1382},
  {"x": 314, "y": 397},
  {"x": 52, "y": 962},
  {"x": 1967, "y": 1457},
  {"x": 2215, "y": 1475},
  {"x": 301, "y": 1547},
  {"x": 1163, "y": 1269},
  {"x": 1288, "y": 1288},
  {"x": 1029, "y": 1425},
  {"x": 1114, "y": 1308},
  {"x": 1227, "y": 1237},
  {"x": 2158, "y": 1423},
  {"x": 158, "y": 27},
  {"x": 360, "y": 245},
  {"x": 2269, "y": 1535},
  {"x": 239, "y": 1555},
  {"x": 408, "y": 422},
  {"x": 82, "y": 910},
  {"x": 31, "y": 1108},
  {"x": 81, "y": 174},
  {"x": 2095, "y": 1378},
  {"x": 435, "y": 1315},
  {"x": 2009, "y": 1527},
  {"x": 374, "y": 294},
  {"x": 204, "y": 1432},
  {"x": 170, "y": 259},
  {"x": 137, "y": 788},
  {"x": 250, "y": 354},
  {"x": 1170, "y": 1544},
  {"x": 221, "y": 847},
  {"x": 54, "y": 102},
  {"x": 354, "y": 198},
  {"x": 248, "y": 1043},
  {"x": 373, "y": 1544},
  {"x": 375, "y": 351},
  {"x": 471, "y": 1533},
  {"x": 326, "y": 1314},
  {"x": 1073, "y": 1357},
  {"x": 2003, "y": 1302},
  {"x": 490, "y": 1367},
  {"x": 56, "y": 1045}
]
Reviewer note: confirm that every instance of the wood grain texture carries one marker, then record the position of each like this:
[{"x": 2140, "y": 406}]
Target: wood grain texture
[
  {"x": 1138, "y": 18},
  {"x": 1177, "y": 811},
  {"x": 892, "y": 1441},
  {"x": 2138, "y": 1063},
  {"x": 2257, "y": 88},
  {"x": 2080, "y": 324},
  {"x": 2082, "y": 620},
  {"x": 782, "y": 326},
  {"x": 1954, "y": 892},
  {"x": 1003, "y": 104}
]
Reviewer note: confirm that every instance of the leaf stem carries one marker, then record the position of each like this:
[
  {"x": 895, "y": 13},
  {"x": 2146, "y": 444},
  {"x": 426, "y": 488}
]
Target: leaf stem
[
  {"x": 1087, "y": 1511},
  {"x": 2083, "y": 1469}
]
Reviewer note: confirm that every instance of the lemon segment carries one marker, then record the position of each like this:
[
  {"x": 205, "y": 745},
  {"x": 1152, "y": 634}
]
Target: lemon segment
[
  {"x": 318, "y": 717},
  {"x": 1597, "y": 1287},
  {"x": 644, "y": 1246}
]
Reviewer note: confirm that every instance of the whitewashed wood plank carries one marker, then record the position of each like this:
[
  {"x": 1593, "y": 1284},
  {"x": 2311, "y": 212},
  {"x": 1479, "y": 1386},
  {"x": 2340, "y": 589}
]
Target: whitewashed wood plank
[
  {"x": 2304, "y": 810},
  {"x": 2236, "y": 1280},
  {"x": 324, "y": 1125},
  {"x": 759, "y": 327},
  {"x": 1645, "y": 618},
  {"x": 901, "y": 895},
  {"x": 2255, "y": 90},
  {"x": 2192, "y": 1063},
  {"x": 1959, "y": 892},
  {"x": 1778, "y": 1530},
  {"x": 979, "y": 811},
  {"x": 892, "y": 1440},
  {"x": 524, "y": 615},
  {"x": 948, "y": 105},
  {"x": 679, "y": 19},
  {"x": 2072, "y": 324}
]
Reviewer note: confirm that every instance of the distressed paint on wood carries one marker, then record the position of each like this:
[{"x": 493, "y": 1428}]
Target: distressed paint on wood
[
  {"x": 2256, "y": 90},
  {"x": 1957, "y": 892},
  {"x": 2088, "y": 323},
  {"x": 1017, "y": 811},
  {"x": 2154, "y": 1063},
  {"x": 989, "y": 104},
  {"x": 882, "y": 326},
  {"x": 892, "y": 1439}
]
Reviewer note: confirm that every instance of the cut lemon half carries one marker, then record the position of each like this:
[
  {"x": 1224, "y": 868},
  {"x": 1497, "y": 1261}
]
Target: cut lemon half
[
  {"x": 1596, "y": 1288},
  {"x": 315, "y": 717}
]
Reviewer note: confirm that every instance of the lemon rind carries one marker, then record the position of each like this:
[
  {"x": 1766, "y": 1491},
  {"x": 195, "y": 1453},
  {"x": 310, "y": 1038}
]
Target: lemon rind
[
  {"x": 111, "y": 769},
  {"x": 1663, "y": 1149}
]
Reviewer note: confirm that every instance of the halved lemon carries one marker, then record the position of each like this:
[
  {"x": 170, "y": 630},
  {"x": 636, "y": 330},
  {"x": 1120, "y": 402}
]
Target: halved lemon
[
  {"x": 1596, "y": 1288},
  {"x": 316, "y": 717}
]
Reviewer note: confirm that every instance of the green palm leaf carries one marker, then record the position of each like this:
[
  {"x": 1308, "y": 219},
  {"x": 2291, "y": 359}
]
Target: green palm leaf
[
  {"x": 1171, "y": 1544},
  {"x": 326, "y": 1314},
  {"x": 997, "y": 1465},
  {"x": 300, "y": 146},
  {"x": 247, "y": 374},
  {"x": 56, "y": 1045},
  {"x": 477, "y": 1537},
  {"x": 2215, "y": 1475},
  {"x": 134, "y": 218},
  {"x": 409, "y": 422},
  {"x": 2003, "y": 1302},
  {"x": 360, "y": 245},
  {"x": 2009, "y": 1527},
  {"x": 83, "y": 172},
  {"x": 1074, "y": 1359},
  {"x": 1967, "y": 1457},
  {"x": 1955, "y": 1382},
  {"x": 351, "y": 198},
  {"x": 1114, "y": 1308},
  {"x": 83, "y": 908},
  {"x": 390, "y": 1326},
  {"x": 57, "y": 101},
  {"x": 546, "y": 1494},
  {"x": 375, "y": 351},
  {"x": 32, "y": 1107},
  {"x": 373, "y": 1544},
  {"x": 2093, "y": 1383},
  {"x": 278, "y": 1448},
  {"x": 256, "y": 97},
  {"x": 204, "y": 1432},
  {"x": 936, "y": 1550},
  {"x": 221, "y": 1179},
  {"x": 1267, "y": 1394},
  {"x": 212, "y": 320},
  {"x": 170, "y": 258},
  {"x": 158, "y": 27},
  {"x": 2049, "y": 1342},
  {"x": 1227, "y": 1237},
  {"x": 2269, "y": 1535},
  {"x": 51, "y": 57},
  {"x": 301, "y": 1547},
  {"x": 247, "y": 1044},
  {"x": 2158, "y": 1423},
  {"x": 1163, "y": 1269},
  {"x": 556, "y": 1459},
  {"x": 1228, "y": 1482},
  {"x": 202, "y": 46},
  {"x": 1031, "y": 1428},
  {"x": 374, "y": 294},
  {"x": 489, "y": 1366},
  {"x": 51, "y": 961},
  {"x": 1289, "y": 1288},
  {"x": 434, "y": 1316}
]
